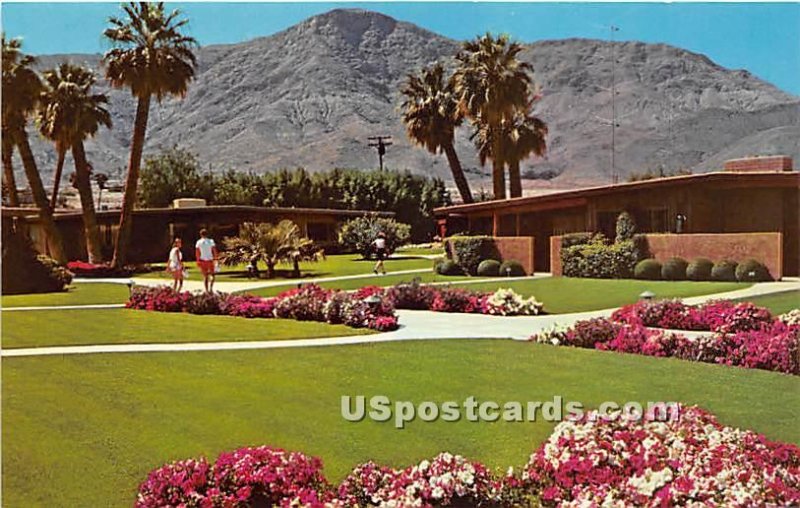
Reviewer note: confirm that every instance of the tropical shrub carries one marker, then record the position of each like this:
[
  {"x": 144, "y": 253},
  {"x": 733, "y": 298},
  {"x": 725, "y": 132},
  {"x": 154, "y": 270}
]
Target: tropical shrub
[
  {"x": 572, "y": 239},
  {"x": 625, "y": 227},
  {"x": 724, "y": 271},
  {"x": 596, "y": 259},
  {"x": 449, "y": 267},
  {"x": 357, "y": 235},
  {"x": 674, "y": 269},
  {"x": 511, "y": 268},
  {"x": 26, "y": 271},
  {"x": 468, "y": 251},
  {"x": 752, "y": 270},
  {"x": 489, "y": 268},
  {"x": 699, "y": 269},
  {"x": 647, "y": 269}
]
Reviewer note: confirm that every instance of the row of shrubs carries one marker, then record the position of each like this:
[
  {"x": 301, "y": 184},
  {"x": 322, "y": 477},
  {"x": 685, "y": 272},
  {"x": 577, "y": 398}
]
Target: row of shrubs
[
  {"x": 475, "y": 255},
  {"x": 486, "y": 268},
  {"x": 702, "y": 269},
  {"x": 309, "y": 303},
  {"x": 743, "y": 335}
]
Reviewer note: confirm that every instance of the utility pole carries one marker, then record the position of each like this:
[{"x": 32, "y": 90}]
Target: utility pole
[
  {"x": 613, "y": 121},
  {"x": 380, "y": 142}
]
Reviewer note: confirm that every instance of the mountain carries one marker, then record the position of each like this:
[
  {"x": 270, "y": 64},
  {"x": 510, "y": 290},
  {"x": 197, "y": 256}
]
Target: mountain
[{"x": 310, "y": 95}]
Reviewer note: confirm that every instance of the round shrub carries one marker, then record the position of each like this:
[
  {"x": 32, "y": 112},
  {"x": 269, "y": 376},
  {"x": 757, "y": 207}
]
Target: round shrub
[
  {"x": 489, "y": 268},
  {"x": 511, "y": 268},
  {"x": 724, "y": 271},
  {"x": 752, "y": 270},
  {"x": 699, "y": 269},
  {"x": 448, "y": 267},
  {"x": 674, "y": 269},
  {"x": 647, "y": 269}
]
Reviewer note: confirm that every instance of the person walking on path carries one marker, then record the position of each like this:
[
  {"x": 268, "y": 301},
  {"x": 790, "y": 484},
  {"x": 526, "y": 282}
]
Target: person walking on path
[
  {"x": 206, "y": 254},
  {"x": 175, "y": 264},
  {"x": 379, "y": 245}
]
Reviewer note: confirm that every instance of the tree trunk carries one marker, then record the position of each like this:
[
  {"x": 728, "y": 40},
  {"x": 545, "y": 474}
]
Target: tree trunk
[
  {"x": 270, "y": 270},
  {"x": 498, "y": 172},
  {"x": 8, "y": 171},
  {"x": 515, "y": 180},
  {"x": 458, "y": 173},
  {"x": 296, "y": 268},
  {"x": 129, "y": 200},
  {"x": 54, "y": 239},
  {"x": 90, "y": 228},
  {"x": 62, "y": 152}
]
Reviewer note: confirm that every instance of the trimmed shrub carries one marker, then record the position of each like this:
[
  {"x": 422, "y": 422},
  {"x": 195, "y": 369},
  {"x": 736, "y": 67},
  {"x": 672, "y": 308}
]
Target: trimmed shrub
[
  {"x": 699, "y": 269},
  {"x": 511, "y": 268},
  {"x": 596, "y": 259},
  {"x": 489, "y": 268},
  {"x": 449, "y": 267},
  {"x": 357, "y": 235},
  {"x": 468, "y": 251},
  {"x": 647, "y": 269},
  {"x": 641, "y": 246},
  {"x": 573, "y": 239},
  {"x": 752, "y": 270},
  {"x": 25, "y": 271},
  {"x": 674, "y": 269},
  {"x": 724, "y": 271},
  {"x": 625, "y": 227}
]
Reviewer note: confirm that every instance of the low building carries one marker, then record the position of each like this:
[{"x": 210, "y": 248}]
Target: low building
[
  {"x": 754, "y": 195},
  {"x": 154, "y": 228}
]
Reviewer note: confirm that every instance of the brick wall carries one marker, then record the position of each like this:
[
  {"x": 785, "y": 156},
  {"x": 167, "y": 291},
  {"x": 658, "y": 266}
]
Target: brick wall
[
  {"x": 772, "y": 163},
  {"x": 516, "y": 248},
  {"x": 765, "y": 247}
]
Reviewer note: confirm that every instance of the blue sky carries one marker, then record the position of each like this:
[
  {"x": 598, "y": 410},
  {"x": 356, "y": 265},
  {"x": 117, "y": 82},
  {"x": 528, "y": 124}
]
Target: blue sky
[{"x": 762, "y": 38}]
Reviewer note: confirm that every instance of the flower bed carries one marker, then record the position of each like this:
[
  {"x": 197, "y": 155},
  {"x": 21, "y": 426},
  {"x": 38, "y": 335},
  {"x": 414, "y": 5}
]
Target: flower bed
[
  {"x": 503, "y": 302},
  {"x": 591, "y": 461},
  {"x": 743, "y": 335},
  {"x": 310, "y": 303},
  {"x": 97, "y": 271}
]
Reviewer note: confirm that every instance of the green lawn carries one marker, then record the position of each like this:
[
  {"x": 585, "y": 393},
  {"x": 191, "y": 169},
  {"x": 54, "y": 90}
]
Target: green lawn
[
  {"x": 77, "y": 294},
  {"x": 85, "y": 430},
  {"x": 778, "y": 303},
  {"x": 124, "y": 326},
  {"x": 333, "y": 266}
]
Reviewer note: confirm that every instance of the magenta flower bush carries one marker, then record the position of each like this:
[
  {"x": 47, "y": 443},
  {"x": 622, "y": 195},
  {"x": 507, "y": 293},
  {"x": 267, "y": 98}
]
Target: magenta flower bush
[
  {"x": 716, "y": 316},
  {"x": 503, "y": 302},
  {"x": 691, "y": 460},
  {"x": 309, "y": 303},
  {"x": 182, "y": 483}
]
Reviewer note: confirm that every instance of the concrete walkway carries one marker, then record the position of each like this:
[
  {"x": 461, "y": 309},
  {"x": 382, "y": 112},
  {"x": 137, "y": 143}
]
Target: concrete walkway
[{"x": 415, "y": 325}]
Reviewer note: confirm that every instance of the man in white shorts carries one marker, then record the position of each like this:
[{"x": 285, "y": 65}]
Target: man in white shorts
[{"x": 206, "y": 255}]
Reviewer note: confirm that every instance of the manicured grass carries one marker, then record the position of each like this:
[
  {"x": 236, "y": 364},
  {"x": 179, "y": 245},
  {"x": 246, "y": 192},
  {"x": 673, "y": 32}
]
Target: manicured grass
[
  {"x": 76, "y": 294},
  {"x": 124, "y": 326},
  {"x": 778, "y": 303},
  {"x": 564, "y": 294},
  {"x": 380, "y": 280},
  {"x": 333, "y": 266},
  {"x": 85, "y": 430}
]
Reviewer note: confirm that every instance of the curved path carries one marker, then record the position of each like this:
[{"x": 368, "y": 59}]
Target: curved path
[{"x": 415, "y": 325}]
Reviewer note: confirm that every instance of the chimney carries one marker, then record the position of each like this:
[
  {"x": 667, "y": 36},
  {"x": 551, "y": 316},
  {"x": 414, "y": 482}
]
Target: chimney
[{"x": 756, "y": 164}]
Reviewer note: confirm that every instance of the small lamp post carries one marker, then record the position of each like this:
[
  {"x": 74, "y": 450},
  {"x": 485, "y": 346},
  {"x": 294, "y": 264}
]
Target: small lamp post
[
  {"x": 508, "y": 271},
  {"x": 647, "y": 296},
  {"x": 373, "y": 300}
]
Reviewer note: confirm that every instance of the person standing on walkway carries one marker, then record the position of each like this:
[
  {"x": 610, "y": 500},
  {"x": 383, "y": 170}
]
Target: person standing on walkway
[
  {"x": 379, "y": 246},
  {"x": 206, "y": 254},
  {"x": 175, "y": 264}
]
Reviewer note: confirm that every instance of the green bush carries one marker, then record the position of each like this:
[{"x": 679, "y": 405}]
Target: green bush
[
  {"x": 469, "y": 251},
  {"x": 357, "y": 235},
  {"x": 598, "y": 260},
  {"x": 25, "y": 271},
  {"x": 647, "y": 269},
  {"x": 449, "y": 267},
  {"x": 724, "y": 271},
  {"x": 511, "y": 268},
  {"x": 641, "y": 246},
  {"x": 625, "y": 227},
  {"x": 674, "y": 269},
  {"x": 572, "y": 239},
  {"x": 699, "y": 269},
  {"x": 752, "y": 270},
  {"x": 489, "y": 268}
]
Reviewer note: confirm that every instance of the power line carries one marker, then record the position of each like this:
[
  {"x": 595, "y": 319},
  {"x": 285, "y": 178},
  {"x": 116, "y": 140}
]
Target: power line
[{"x": 380, "y": 142}]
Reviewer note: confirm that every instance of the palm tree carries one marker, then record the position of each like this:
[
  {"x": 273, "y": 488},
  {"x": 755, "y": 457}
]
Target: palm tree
[
  {"x": 270, "y": 243},
  {"x": 492, "y": 84},
  {"x": 69, "y": 113},
  {"x": 21, "y": 89},
  {"x": 527, "y": 137},
  {"x": 431, "y": 115},
  {"x": 9, "y": 180},
  {"x": 152, "y": 58}
]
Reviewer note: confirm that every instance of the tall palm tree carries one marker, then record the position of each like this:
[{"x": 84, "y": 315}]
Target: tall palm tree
[
  {"x": 69, "y": 114},
  {"x": 21, "y": 89},
  {"x": 431, "y": 115},
  {"x": 154, "y": 59},
  {"x": 492, "y": 84}
]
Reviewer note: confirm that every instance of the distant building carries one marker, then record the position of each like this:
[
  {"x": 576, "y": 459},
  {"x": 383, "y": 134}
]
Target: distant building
[
  {"x": 750, "y": 195},
  {"x": 154, "y": 228}
]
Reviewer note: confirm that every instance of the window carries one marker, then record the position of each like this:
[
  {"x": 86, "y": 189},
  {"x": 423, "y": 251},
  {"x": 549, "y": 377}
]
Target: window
[{"x": 319, "y": 231}]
